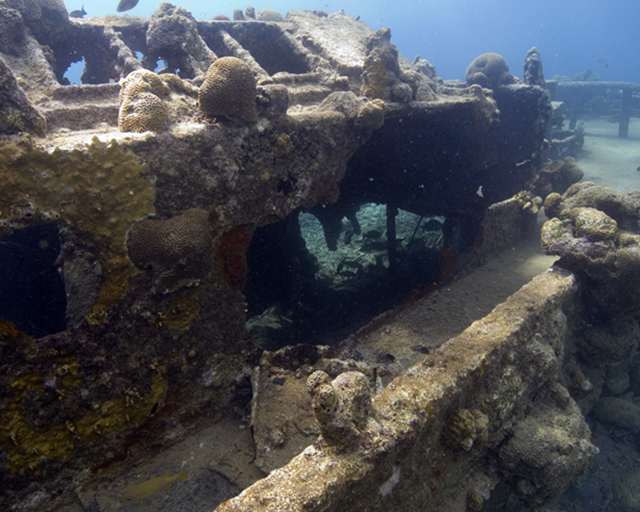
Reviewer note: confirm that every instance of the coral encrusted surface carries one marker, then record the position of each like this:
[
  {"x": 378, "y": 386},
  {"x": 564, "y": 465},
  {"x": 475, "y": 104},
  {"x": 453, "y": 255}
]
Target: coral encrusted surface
[{"x": 183, "y": 138}]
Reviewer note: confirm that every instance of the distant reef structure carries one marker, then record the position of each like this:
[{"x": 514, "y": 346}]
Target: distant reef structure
[{"x": 159, "y": 191}]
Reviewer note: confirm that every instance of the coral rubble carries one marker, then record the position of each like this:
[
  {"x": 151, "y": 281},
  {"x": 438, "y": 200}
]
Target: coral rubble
[{"x": 594, "y": 228}]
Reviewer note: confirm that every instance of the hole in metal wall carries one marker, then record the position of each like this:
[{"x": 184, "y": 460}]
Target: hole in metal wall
[
  {"x": 300, "y": 291},
  {"x": 32, "y": 293},
  {"x": 72, "y": 75}
]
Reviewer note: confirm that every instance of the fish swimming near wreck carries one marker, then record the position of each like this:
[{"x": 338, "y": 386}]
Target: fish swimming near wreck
[
  {"x": 126, "y": 5},
  {"x": 150, "y": 487},
  {"x": 78, "y": 13},
  {"x": 432, "y": 225},
  {"x": 348, "y": 235}
]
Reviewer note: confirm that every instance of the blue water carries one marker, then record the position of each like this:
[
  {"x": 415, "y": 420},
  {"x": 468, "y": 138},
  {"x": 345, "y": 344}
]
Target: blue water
[{"x": 572, "y": 35}]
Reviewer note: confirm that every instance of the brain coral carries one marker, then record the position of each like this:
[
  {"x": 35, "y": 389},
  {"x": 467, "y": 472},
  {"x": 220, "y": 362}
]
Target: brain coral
[
  {"x": 143, "y": 80},
  {"x": 229, "y": 89},
  {"x": 141, "y": 113},
  {"x": 179, "y": 249},
  {"x": 489, "y": 70},
  {"x": 141, "y": 106},
  {"x": 466, "y": 428},
  {"x": 268, "y": 15}
]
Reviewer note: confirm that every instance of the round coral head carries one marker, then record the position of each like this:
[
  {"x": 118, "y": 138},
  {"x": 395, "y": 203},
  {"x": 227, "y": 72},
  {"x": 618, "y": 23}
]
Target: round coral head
[{"x": 229, "y": 89}]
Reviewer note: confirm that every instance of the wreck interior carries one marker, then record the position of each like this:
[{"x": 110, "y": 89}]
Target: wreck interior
[{"x": 280, "y": 301}]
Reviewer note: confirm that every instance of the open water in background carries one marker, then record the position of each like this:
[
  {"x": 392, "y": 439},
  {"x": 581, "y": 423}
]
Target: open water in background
[{"x": 572, "y": 35}]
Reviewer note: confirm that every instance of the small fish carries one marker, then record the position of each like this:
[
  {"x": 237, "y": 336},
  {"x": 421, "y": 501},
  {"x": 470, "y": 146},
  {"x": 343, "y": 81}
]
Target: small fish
[
  {"x": 479, "y": 191},
  {"x": 373, "y": 233},
  {"x": 150, "y": 487},
  {"x": 126, "y": 5},
  {"x": 348, "y": 235},
  {"x": 603, "y": 63},
  {"x": 377, "y": 246},
  {"x": 432, "y": 225},
  {"x": 78, "y": 13}
]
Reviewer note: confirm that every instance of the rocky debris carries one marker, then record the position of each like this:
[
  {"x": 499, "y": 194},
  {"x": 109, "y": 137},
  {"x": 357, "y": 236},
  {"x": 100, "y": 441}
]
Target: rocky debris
[
  {"x": 173, "y": 36},
  {"x": 609, "y": 342},
  {"x": 619, "y": 412},
  {"x": 627, "y": 493},
  {"x": 533, "y": 74},
  {"x": 12, "y": 30},
  {"x": 381, "y": 76},
  {"x": 617, "y": 378},
  {"x": 617, "y": 205},
  {"x": 549, "y": 448},
  {"x": 595, "y": 229},
  {"x": 556, "y": 176},
  {"x": 17, "y": 114}
]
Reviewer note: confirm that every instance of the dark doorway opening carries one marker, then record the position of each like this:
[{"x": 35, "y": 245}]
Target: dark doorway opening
[{"x": 32, "y": 293}]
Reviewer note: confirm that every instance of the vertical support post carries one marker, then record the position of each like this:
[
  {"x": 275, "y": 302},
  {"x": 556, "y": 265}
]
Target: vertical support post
[
  {"x": 625, "y": 114},
  {"x": 575, "y": 109},
  {"x": 552, "y": 87},
  {"x": 392, "y": 212}
]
